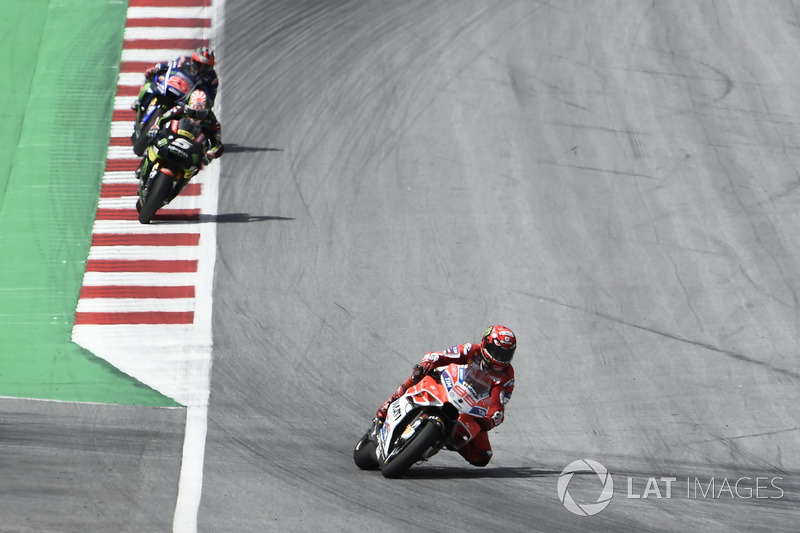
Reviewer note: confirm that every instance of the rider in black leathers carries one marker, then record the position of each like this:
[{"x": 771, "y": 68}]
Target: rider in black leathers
[{"x": 198, "y": 112}]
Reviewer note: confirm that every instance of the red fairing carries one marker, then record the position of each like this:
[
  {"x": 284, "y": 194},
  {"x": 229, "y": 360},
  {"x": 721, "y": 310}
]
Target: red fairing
[
  {"x": 425, "y": 392},
  {"x": 501, "y": 383},
  {"x": 179, "y": 84},
  {"x": 469, "y": 429}
]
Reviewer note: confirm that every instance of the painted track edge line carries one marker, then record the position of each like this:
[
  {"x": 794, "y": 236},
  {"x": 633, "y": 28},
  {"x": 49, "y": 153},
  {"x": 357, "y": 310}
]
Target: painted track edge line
[{"x": 190, "y": 483}]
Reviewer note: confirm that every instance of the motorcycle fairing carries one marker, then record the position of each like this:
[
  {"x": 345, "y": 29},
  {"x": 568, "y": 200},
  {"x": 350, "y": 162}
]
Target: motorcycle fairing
[
  {"x": 175, "y": 83},
  {"x": 465, "y": 430},
  {"x": 420, "y": 395},
  {"x": 448, "y": 399},
  {"x": 462, "y": 393}
]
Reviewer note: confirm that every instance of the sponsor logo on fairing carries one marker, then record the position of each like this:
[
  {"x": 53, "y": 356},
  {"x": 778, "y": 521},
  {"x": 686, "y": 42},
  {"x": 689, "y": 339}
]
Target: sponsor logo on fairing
[
  {"x": 448, "y": 381},
  {"x": 478, "y": 411},
  {"x": 504, "y": 397}
]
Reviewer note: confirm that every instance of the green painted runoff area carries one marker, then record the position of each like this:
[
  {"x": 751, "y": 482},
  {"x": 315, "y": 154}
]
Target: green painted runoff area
[{"x": 60, "y": 62}]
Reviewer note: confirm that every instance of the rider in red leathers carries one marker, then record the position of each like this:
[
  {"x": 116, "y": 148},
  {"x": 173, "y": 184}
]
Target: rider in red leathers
[{"x": 490, "y": 365}]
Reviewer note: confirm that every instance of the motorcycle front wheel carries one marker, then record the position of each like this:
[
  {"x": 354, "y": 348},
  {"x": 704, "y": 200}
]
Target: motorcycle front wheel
[
  {"x": 411, "y": 450},
  {"x": 159, "y": 189},
  {"x": 141, "y": 140}
]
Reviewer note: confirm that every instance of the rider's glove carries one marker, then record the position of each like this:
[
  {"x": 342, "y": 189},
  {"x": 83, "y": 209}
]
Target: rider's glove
[
  {"x": 426, "y": 366},
  {"x": 420, "y": 371},
  {"x": 491, "y": 421},
  {"x": 216, "y": 151},
  {"x": 417, "y": 374}
]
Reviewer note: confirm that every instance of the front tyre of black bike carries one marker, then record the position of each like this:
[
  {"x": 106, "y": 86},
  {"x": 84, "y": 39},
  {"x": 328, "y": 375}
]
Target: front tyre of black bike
[{"x": 154, "y": 200}]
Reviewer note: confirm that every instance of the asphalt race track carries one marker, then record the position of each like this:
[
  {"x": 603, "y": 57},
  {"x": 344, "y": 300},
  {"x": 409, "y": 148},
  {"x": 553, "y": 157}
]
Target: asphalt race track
[{"x": 615, "y": 181}]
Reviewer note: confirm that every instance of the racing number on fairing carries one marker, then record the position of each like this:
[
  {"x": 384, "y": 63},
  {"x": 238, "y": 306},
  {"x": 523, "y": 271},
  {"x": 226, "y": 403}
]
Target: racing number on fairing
[
  {"x": 182, "y": 143},
  {"x": 179, "y": 83},
  {"x": 464, "y": 395}
]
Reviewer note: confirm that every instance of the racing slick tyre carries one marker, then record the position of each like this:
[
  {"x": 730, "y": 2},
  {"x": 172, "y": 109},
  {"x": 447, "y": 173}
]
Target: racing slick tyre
[
  {"x": 141, "y": 141},
  {"x": 411, "y": 450},
  {"x": 159, "y": 189},
  {"x": 364, "y": 454}
]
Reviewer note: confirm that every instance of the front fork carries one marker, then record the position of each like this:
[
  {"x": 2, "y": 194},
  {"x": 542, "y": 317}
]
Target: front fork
[
  {"x": 143, "y": 175},
  {"x": 146, "y": 169},
  {"x": 143, "y": 99},
  {"x": 414, "y": 426}
]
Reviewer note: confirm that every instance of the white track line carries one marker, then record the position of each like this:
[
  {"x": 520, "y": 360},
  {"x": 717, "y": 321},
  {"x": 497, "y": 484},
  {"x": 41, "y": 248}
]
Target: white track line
[
  {"x": 173, "y": 12},
  {"x": 151, "y": 56},
  {"x": 110, "y": 305},
  {"x": 160, "y": 279},
  {"x": 190, "y": 484},
  {"x": 174, "y": 33},
  {"x": 174, "y": 359}
]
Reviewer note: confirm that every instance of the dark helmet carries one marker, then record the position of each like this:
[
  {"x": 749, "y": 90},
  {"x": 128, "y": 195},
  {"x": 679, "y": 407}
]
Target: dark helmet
[
  {"x": 203, "y": 60},
  {"x": 497, "y": 347}
]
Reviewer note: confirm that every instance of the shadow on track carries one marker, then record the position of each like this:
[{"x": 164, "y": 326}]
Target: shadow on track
[
  {"x": 234, "y": 148},
  {"x": 227, "y": 218},
  {"x": 239, "y": 218},
  {"x": 501, "y": 472}
]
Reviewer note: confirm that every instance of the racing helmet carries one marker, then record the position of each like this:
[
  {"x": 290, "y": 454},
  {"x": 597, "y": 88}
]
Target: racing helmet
[
  {"x": 197, "y": 108},
  {"x": 497, "y": 347},
  {"x": 203, "y": 60}
]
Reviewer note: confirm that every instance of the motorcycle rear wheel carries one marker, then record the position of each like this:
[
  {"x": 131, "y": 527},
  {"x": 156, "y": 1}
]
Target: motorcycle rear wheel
[
  {"x": 364, "y": 454},
  {"x": 411, "y": 450},
  {"x": 160, "y": 188}
]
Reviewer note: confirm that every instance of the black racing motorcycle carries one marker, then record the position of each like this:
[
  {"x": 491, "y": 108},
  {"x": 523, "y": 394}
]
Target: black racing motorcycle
[{"x": 176, "y": 153}]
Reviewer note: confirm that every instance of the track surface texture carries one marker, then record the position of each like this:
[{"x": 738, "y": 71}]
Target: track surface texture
[{"x": 616, "y": 181}]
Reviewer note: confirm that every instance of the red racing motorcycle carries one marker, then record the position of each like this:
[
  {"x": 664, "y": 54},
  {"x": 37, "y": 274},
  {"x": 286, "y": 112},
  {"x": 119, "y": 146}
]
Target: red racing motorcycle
[{"x": 439, "y": 412}]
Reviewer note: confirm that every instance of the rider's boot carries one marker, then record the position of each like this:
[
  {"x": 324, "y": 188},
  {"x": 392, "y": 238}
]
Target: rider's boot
[
  {"x": 142, "y": 101},
  {"x": 383, "y": 409},
  {"x": 143, "y": 170},
  {"x": 374, "y": 428},
  {"x": 138, "y": 106},
  {"x": 412, "y": 380}
]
